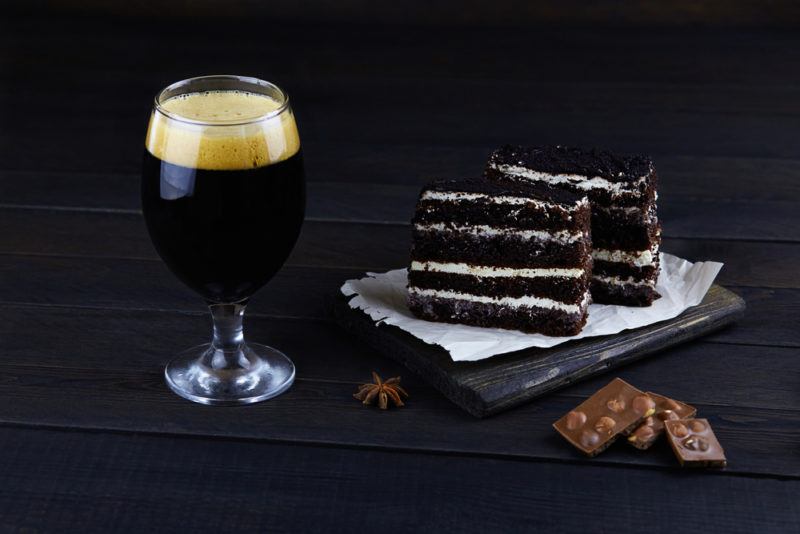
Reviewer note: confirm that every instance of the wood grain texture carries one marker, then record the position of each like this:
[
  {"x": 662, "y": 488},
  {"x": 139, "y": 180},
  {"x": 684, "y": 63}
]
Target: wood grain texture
[
  {"x": 630, "y": 90},
  {"x": 694, "y": 134},
  {"x": 733, "y": 212},
  {"x": 505, "y": 13},
  {"x": 55, "y": 481},
  {"x": 107, "y": 369},
  {"x": 497, "y": 384},
  {"x": 361, "y": 171},
  {"x": 297, "y": 291},
  {"x": 355, "y": 246},
  {"x": 127, "y": 340},
  {"x": 403, "y": 52}
]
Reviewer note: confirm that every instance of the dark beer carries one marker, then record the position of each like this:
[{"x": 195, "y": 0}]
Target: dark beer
[
  {"x": 222, "y": 204},
  {"x": 228, "y": 235}
]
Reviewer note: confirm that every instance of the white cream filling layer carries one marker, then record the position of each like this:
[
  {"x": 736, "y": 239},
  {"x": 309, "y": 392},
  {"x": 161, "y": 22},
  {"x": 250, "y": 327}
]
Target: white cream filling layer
[
  {"x": 581, "y": 182},
  {"x": 629, "y": 281},
  {"x": 642, "y": 258},
  {"x": 513, "y": 302},
  {"x": 500, "y": 199},
  {"x": 484, "y": 230},
  {"x": 488, "y": 271}
]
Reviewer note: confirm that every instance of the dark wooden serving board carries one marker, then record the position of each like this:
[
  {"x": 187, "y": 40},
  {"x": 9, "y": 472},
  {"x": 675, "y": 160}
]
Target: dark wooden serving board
[{"x": 491, "y": 386}]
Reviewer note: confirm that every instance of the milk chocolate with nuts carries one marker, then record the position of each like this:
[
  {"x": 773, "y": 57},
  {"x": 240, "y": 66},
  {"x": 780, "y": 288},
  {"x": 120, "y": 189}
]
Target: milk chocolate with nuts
[
  {"x": 694, "y": 443},
  {"x": 598, "y": 421},
  {"x": 652, "y": 428}
]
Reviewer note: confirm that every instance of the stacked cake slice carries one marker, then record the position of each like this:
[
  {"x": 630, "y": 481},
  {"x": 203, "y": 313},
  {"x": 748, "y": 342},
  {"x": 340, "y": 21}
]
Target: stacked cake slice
[
  {"x": 510, "y": 254},
  {"x": 622, "y": 191}
]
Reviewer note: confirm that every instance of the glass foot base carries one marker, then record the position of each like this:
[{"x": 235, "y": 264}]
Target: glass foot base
[{"x": 252, "y": 373}]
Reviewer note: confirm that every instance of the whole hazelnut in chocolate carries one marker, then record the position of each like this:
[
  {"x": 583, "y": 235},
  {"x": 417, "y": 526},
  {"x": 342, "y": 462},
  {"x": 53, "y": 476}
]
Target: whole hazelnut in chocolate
[
  {"x": 670, "y": 404},
  {"x": 589, "y": 438},
  {"x": 575, "y": 419},
  {"x": 643, "y": 433},
  {"x": 680, "y": 430},
  {"x": 697, "y": 426},
  {"x": 605, "y": 425},
  {"x": 644, "y": 405}
]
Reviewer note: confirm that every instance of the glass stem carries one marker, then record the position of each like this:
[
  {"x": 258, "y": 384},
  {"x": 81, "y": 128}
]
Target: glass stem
[{"x": 227, "y": 346}]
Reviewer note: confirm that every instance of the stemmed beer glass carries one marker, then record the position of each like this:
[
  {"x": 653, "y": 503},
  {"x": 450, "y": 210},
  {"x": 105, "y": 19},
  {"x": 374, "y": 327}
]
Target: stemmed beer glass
[{"x": 223, "y": 196}]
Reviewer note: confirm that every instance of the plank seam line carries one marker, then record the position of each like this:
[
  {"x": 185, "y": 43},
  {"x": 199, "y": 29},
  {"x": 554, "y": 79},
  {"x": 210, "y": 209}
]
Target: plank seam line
[
  {"x": 397, "y": 450},
  {"x": 336, "y": 220},
  {"x": 193, "y": 313},
  {"x": 156, "y": 373},
  {"x": 79, "y": 209},
  {"x": 260, "y": 315},
  {"x": 159, "y": 260}
]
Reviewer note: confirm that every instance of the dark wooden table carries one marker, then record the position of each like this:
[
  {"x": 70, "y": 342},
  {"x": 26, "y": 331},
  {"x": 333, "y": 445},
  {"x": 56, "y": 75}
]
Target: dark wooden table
[{"x": 92, "y": 439}]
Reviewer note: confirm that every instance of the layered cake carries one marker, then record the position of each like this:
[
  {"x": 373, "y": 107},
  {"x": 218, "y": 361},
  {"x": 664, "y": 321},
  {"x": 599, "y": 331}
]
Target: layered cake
[
  {"x": 626, "y": 233},
  {"x": 512, "y": 255}
]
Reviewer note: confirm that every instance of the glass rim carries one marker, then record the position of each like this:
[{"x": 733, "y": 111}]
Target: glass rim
[{"x": 284, "y": 103}]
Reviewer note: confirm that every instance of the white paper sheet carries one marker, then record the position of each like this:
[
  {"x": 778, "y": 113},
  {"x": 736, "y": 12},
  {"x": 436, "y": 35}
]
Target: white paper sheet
[{"x": 383, "y": 297}]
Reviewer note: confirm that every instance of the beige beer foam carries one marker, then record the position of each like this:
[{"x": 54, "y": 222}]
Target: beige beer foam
[{"x": 227, "y": 141}]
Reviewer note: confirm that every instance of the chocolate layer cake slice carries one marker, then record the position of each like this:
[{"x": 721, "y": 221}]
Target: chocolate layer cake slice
[
  {"x": 508, "y": 255},
  {"x": 626, "y": 233}
]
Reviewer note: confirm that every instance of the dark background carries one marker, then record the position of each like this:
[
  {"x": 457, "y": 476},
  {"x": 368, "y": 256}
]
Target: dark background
[
  {"x": 506, "y": 13},
  {"x": 387, "y": 95}
]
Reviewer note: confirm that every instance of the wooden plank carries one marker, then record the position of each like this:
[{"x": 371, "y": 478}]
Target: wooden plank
[
  {"x": 107, "y": 369},
  {"x": 67, "y": 481},
  {"x": 426, "y": 97},
  {"x": 331, "y": 354},
  {"x": 757, "y": 440},
  {"x": 296, "y": 291},
  {"x": 755, "y": 136},
  {"x": 690, "y": 119},
  {"x": 144, "y": 284},
  {"x": 492, "y": 386},
  {"x": 348, "y": 245},
  {"x": 683, "y": 215},
  {"x": 397, "y": 51},
  {"x": 669, "y": 114},
  {"x": 396, "y": 173},
  {"x": 618, "y": 14},
  {"x": 767, "y": 320}
]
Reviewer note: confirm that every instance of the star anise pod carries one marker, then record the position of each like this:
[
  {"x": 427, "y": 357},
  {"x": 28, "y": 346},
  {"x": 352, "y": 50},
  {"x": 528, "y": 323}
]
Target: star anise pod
[{"x": 383, "y": 391}]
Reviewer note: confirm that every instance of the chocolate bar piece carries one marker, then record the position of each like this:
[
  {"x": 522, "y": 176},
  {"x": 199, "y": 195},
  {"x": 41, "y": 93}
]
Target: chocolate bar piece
[
  {"x": 599, "y": 420},
  {"x": 694, "y": 443},
  {"x": 651, "y": 429}
]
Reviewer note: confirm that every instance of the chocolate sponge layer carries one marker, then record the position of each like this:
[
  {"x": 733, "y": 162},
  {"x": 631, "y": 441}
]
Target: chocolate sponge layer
[
  {"x": 625, "y": 295},
  {"x": 500, "y": 251},
  {"x": 526, "y": 319}
]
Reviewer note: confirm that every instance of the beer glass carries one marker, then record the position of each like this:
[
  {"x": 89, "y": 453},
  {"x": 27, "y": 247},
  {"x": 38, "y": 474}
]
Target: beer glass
[{"x": 223, "y": 196}]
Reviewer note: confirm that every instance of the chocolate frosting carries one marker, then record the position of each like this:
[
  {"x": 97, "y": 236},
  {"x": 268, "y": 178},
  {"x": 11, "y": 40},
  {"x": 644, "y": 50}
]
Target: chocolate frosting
[{"x": 567, "y": 160}]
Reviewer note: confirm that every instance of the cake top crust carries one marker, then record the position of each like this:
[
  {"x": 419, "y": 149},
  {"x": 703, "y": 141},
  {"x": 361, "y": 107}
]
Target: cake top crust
[
  {"x": 512, "y": 188},
  {"x": 578, "y": 161}
]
